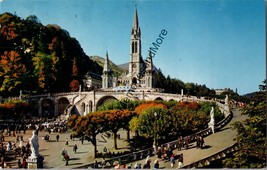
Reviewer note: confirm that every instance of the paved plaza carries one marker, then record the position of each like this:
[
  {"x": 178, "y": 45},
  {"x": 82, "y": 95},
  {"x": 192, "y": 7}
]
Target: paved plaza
[{"x": 51, "y": 150}]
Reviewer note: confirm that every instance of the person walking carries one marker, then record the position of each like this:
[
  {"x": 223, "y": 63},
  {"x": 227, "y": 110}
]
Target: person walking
[
  {"x": 82, "y": 139},
  {"x": 66, "y": 142},
  {"x": 57, "y": 137},
  {"x": 75, "y": 147},
  {"x": 67, "y": 158},
  {"x": 201, "y": 142},
  {"x": 71, "y": 136}
]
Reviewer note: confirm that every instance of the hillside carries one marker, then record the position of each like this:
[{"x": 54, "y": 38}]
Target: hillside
[
  {"x": 121, "y": 68},
  {"x": 115, "y": 68},
  {"x": 39, "y": 59}
]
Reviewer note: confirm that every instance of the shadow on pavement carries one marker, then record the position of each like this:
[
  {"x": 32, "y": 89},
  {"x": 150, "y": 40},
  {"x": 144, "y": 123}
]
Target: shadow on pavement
[
  {"x": 74, "y": 164},
  {"x": 72, "y": 159},
  {"x": 206, "y": 147},
  {"x": 80, "y": 152}
]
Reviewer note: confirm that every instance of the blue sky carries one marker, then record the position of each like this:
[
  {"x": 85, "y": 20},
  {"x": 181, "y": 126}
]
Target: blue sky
[{"x": 219, "y": 43}]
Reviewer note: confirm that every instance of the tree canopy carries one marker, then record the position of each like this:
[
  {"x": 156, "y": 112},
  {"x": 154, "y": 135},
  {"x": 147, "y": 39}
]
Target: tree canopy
[
  {"x": 251, "y": 137},
  {"x": 35, "y": 57}
]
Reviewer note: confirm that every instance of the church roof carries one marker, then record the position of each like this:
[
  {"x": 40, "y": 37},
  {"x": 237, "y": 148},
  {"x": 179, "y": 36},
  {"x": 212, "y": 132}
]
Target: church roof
[{"x": 94, "y": 75}]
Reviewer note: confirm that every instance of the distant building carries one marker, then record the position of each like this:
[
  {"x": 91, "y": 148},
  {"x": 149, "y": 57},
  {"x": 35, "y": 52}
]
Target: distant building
[
  {"x": 220, "y": 91},
  {"x": 92, "y": 81}
]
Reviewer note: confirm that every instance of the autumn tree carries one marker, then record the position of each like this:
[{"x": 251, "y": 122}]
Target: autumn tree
[
  {"x": 74, "y": 85},
  {"x": 126, "y": 118},
  {"x": 14, "y": 109},
  {"x": 147, "y": 105},
  {"x": 32, "y": 40},
  {"x": 12, "y": 73},
  {"x": 72, "y": 121},
  {"x": 115, "y": 122},
  {"x": 88, "y": 126}
]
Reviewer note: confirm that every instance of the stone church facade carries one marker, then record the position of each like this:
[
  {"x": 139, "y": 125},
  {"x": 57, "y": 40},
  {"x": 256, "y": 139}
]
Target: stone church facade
[{"x": 140, "y": 74}]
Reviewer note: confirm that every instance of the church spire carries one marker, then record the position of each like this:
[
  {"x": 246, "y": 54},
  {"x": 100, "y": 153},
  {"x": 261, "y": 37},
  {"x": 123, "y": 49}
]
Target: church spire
[
  {"x": 106, "y": 68},
  {"x": 135, "y": 21},
  {"x": 136, "y": 29}
]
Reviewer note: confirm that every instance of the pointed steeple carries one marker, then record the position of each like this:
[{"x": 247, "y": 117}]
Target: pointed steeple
[
  {"x": 106, "y": 68},
  {"x": 135, "y": 21},
  {"x": 136, "y": 29}
]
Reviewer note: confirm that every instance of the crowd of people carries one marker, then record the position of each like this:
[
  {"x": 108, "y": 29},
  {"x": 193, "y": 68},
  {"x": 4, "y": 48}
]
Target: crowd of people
[
  {"x": 10, "y": 150},
  {"x": 164, "y": 154},
  {"x": 13, "y": 147}
]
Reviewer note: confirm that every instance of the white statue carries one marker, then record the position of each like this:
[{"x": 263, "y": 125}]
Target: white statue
[
  {"x": 212, "y": 121},
  {"x": 34, "y": 145},
  {"x": 226, "y": 100},
  {"x": 80, "y": 88}
]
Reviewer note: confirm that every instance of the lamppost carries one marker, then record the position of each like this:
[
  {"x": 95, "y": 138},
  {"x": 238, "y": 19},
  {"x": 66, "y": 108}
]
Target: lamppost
[{"x": 155, "y": 143}]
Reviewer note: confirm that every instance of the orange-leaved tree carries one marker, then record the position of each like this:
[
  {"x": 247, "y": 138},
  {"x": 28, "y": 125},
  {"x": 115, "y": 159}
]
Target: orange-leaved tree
[
  {"x": 12, "y": 72},
  {"x": 14, "y": 109},
  {"x": 114, "y": 120},
  {"x": 147, "y": 105},
  {"x": 126, "y": 118},
  {"x": 89, "y": 126}
]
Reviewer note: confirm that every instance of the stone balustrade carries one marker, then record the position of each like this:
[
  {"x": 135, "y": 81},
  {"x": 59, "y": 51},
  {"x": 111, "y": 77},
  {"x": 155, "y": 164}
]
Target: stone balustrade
[{"x": 207, "y": 160}]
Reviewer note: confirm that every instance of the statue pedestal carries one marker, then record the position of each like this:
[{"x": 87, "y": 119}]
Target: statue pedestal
[
  {"x": 35, "y": 163},
  {"x": 211, "y": 125},
  {"x": 226, "y": 110}
]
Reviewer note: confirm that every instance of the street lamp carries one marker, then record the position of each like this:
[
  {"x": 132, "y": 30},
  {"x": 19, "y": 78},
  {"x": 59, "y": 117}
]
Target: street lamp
[{"x": 155, "y": 144}]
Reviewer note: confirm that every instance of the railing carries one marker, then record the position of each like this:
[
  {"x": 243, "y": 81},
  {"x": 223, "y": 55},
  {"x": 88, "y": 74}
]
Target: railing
[
  {"x": 207, "y": 160},
  {"x": 224, "y": 122}
]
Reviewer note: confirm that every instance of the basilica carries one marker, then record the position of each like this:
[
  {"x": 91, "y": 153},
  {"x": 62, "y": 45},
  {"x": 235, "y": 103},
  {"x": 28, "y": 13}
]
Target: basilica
[{"x": 140, "y": 73}]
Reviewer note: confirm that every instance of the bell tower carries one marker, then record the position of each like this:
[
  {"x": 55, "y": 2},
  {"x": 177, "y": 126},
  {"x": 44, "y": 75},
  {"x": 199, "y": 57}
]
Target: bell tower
[
  {"x": 107, "y": 74},
  {"x": 135, "y": 50}
]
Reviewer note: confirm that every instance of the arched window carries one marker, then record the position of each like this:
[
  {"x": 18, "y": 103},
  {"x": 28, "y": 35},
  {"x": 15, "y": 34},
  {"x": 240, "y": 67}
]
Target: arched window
[
  {"x": 90, "y": 106},
  {"x": 105, "y": 84},
  {"x": 132, "y": 47},
  {"x": 134, "y": 81},
  {"x": 83, "y": 108},
  {"x": 135, "y": 46}
]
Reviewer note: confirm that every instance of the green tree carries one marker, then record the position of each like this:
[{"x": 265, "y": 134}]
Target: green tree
[
  {"x": 43, "y": 63},
  {"x": 156, "y": 121},
  {"x": 251, "y": 137},
  {"x": 263, "y": 86}
]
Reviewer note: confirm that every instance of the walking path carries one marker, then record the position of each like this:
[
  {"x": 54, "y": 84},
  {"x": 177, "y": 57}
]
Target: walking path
[
  {"x": 214, "y": 143},
  {"x": 51, "y": 150}
]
